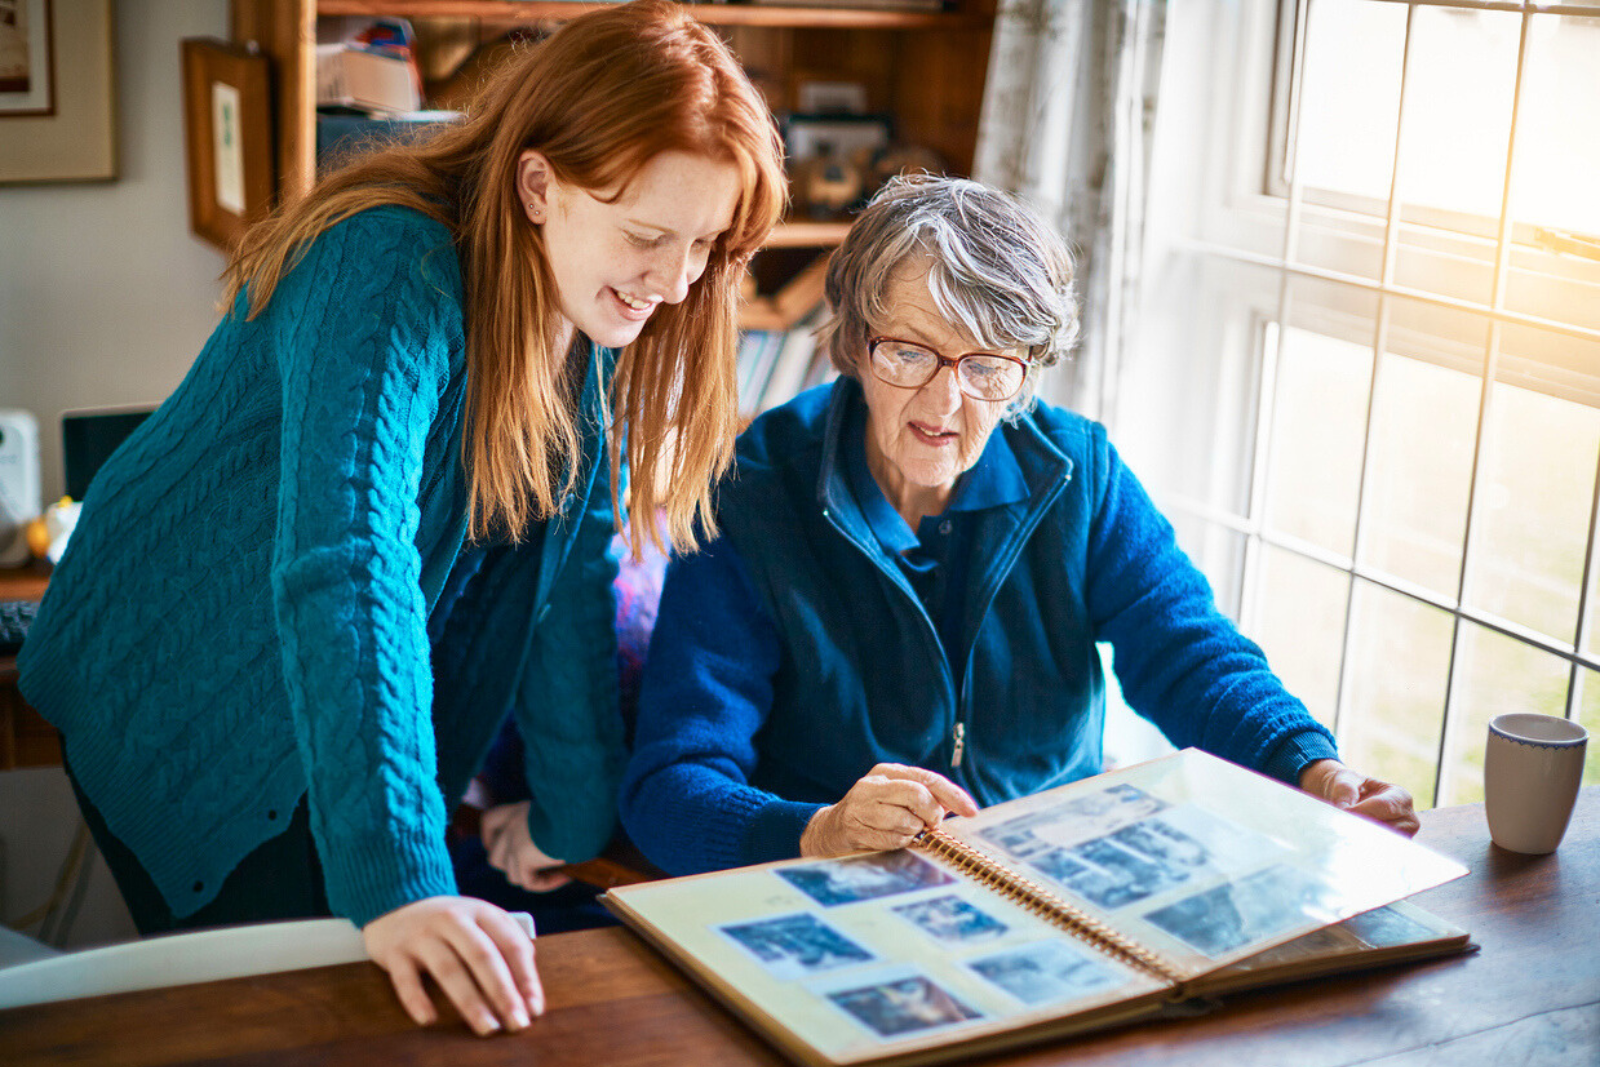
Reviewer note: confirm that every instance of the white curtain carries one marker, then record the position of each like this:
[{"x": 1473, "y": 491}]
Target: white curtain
[{"x": 1067, "y": 117}]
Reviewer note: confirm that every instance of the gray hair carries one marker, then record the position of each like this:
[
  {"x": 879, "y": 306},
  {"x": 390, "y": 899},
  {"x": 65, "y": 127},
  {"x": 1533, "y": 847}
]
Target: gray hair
[{"x": 996, "y": 268}]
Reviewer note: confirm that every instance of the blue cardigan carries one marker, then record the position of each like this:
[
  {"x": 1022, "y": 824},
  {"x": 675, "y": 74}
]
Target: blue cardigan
[
  {"x": 242, "y": 615},
  {"x": 794, "y": 654}
]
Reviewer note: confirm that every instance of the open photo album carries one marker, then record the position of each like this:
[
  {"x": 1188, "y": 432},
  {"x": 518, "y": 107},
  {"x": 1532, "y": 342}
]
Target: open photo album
[{"x": 1101, "y": 902}]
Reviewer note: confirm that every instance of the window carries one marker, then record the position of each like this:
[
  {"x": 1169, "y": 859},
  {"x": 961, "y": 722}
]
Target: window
[{"x": 1367, "y": 383}]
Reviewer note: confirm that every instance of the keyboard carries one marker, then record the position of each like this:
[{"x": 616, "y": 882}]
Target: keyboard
[{"x": 15, "y": 618}]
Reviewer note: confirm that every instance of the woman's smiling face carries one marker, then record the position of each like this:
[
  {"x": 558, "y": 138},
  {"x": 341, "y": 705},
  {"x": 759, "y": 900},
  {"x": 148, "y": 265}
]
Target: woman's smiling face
[
  {"x": 920, "y": 440},
  {"x": 616, "y": 259}
]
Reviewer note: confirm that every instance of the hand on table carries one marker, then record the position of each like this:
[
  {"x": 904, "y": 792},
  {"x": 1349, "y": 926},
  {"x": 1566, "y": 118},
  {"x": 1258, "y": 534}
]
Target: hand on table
[
  {"x": 478, "y": 955},
  {"x": 884, "y": 810},
  {"x": 511, "y": 849},
  {"x": 1353, "y": 791}
]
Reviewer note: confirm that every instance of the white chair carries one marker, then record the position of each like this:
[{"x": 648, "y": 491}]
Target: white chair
[
  {"x": 17, "y": 947},
  {"x": 188, "y": 957},
  {"x": 182, "y": 958}
]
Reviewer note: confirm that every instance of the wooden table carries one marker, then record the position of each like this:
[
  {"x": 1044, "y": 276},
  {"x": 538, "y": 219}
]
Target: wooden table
[{"x": 1531, "y": 996}]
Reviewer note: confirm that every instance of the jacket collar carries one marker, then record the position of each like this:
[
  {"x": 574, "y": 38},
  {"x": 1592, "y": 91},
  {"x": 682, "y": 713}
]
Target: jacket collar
[{"x": 1029, "y": 470}]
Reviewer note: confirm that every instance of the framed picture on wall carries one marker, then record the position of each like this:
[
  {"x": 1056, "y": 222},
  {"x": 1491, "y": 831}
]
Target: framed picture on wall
[
  {"x": 227, "y": 128},
  {"x": 57, "y": 91}
]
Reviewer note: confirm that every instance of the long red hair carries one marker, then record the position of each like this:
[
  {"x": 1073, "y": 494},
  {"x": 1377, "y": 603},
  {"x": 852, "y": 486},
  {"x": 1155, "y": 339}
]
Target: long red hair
[{"x": 602, "y": 96}]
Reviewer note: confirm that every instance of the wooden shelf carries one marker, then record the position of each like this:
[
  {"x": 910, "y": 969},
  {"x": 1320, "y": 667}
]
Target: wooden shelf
[
  {"x": 807, "y": 234},
  {"x": 926, "y": 68},
  {"x": 712, "y": 14},
  {"x": 790, "y": 304}
]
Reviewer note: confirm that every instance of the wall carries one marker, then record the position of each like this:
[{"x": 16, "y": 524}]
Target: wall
[{"x": 105, "y": 298}]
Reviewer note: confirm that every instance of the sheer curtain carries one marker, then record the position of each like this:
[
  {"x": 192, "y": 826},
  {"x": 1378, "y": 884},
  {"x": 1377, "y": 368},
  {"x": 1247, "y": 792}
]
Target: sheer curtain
[
  {"x": 1068, "y": 114},
  {"x": 1067, "y": 118}
]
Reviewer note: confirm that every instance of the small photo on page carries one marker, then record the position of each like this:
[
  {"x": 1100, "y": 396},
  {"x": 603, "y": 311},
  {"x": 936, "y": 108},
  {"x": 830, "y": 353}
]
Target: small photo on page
[
  {"x": 796, "y": 946},
  {"x": 1384, "y": 927},
  {"x": 1046, "y": 971},
  {"x": 951, "y": 919},
  {"x": 1183, "y": 847},
  {"x": 1071, "y": 821},
  {"x": 904, "y": 1005},
  {"x": 1253, "y": 909},
  {"x": 881, "y": 874}
]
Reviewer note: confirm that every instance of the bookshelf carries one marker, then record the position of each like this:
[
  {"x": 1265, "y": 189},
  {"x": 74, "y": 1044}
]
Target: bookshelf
[{"x": 924, "y": 68}]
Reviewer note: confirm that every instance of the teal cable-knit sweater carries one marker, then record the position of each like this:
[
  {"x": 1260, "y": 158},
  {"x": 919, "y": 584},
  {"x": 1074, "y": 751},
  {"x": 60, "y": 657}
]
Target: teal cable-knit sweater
[{"x": 241, "y": 616}]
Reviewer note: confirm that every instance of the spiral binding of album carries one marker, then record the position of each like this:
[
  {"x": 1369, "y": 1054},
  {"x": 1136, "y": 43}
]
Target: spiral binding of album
[{"x": 1039, "y": 900}]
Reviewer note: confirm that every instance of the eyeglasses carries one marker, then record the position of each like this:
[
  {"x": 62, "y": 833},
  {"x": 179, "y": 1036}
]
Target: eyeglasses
[{"x": 980, "y": 375}]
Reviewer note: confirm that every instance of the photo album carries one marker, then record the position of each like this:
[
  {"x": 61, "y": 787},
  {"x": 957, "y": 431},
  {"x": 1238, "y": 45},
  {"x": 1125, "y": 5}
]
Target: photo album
[{"x": 1101, "y": 902}]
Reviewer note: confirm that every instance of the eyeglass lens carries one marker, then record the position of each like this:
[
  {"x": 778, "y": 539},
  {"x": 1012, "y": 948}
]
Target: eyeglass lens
[{"x": 982, "y": 377}]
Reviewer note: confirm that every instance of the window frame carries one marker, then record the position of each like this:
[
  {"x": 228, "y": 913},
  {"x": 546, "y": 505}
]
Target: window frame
[{"x": 1246, "y": 207}]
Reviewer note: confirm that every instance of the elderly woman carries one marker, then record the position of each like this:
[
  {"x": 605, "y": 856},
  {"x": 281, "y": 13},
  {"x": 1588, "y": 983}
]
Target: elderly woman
[{"x": 899, "y": 617}]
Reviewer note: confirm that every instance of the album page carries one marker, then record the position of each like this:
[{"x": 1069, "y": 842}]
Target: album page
[
  {"x": 1201, "y": 861},
  {"x": 878, "y": 955}
]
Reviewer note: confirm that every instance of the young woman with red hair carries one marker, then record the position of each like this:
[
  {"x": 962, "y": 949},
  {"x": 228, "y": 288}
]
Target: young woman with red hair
[{"x": 373, "y": 518}]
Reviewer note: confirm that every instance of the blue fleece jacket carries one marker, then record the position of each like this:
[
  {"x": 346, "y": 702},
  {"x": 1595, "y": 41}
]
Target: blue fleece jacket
[
  {"x": 794, "y": 653},
  {"x": 242, "y": 615}
]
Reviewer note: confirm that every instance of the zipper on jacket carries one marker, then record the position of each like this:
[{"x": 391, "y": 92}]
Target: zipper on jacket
[{"x": 960, "y": 744}]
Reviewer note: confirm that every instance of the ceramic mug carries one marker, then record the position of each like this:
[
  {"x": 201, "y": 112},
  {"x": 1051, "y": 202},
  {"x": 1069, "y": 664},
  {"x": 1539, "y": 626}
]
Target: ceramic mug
[{"x": 1532, "y": 768}]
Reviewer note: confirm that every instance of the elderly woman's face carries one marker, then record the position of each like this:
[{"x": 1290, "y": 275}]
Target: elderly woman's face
[{"x": 920, "y": 440}]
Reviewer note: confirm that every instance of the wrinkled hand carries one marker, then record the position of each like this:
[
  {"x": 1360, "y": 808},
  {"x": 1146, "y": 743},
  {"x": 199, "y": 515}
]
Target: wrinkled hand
[
  {"x": 478, "y": 955},
  {"x": 511, "y": 849},
  {"x": 884, "y": 810},
  {"x": 1355, "y": 792}
]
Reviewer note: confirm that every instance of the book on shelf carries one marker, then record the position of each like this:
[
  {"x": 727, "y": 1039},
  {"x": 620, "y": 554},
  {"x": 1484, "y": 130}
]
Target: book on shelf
[
  {"x": 1135, "y": 894},
  {"x": 758, "y": 350},
  {"x": 369, "y": 64},
  {"x": 795, "y": 355}
]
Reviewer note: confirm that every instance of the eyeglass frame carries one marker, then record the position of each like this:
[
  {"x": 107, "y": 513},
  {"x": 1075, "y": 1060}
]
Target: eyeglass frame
[{"x": 946, "y": 361}]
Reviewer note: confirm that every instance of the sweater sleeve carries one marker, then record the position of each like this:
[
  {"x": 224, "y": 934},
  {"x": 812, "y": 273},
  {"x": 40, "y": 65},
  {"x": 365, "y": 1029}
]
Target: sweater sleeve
[
  {"x": 1180, "y": 661},
  {"x": 687, "y": 801},
  {"x": 567, "y": 701},
  {"x": 364, "y": 326}
]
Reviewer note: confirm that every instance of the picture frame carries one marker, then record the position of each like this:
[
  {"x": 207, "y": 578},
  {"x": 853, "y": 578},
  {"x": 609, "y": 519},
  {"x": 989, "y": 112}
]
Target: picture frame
[
  {"x": 57, "y": 91},
  {"x": 227, "y": 133}
]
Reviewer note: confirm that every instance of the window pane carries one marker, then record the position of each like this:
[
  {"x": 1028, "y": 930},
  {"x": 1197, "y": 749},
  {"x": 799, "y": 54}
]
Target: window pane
[
  {"x": 1495, "y": 674},
  {"x": 1558, "y": 128},
  {"x": 1191, "y": 378},
  {"x": 1299, "y": 623},
  {"x": 1450, "y": 263},
  {"x": 1318, "y": 430},
  {"x": 1351, "y": 100},
  {"x": 1420, "y": 470},
  {"x": 1536, "y": 485},
  {"x": 1589, "y": 715},
  {"x": 1400, "y": 662},
  {"x": 1457, "y": 126}
]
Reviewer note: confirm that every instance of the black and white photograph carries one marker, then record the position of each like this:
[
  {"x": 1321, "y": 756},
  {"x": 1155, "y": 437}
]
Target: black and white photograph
[
  {"x": 892, "y": 1008},
  {"x": 950, "y": 918},
  {"x": 880, "y": 874},
  {"x": 1093, "y": 815},
  {"x": 1384, "y": 927},
  {"x": 1253, "y": 909},
  {"x": 1108, "y": 874},
  {"x": 1044, "y": 972},
  {"x": 794, "y": 946}
]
